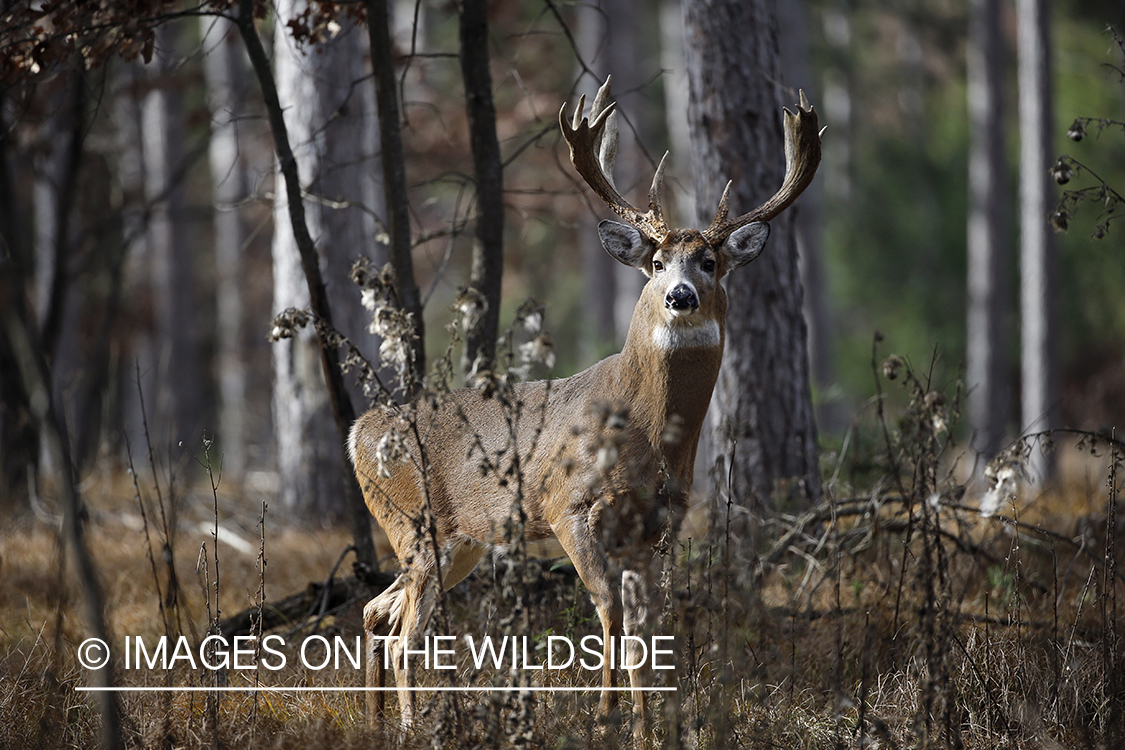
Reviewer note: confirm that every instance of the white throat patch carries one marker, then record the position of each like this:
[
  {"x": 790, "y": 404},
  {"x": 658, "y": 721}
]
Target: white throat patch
[{"x": 672, "y": 336}]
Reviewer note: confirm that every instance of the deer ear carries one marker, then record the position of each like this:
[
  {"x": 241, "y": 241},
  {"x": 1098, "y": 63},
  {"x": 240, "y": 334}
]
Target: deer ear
[
  {"x": 745, "y": 243},
  {"x": 625, "y": 243}
]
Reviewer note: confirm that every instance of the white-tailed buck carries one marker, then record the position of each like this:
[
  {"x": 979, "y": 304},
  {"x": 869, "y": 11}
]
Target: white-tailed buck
[{"x": 602, "y": 457}]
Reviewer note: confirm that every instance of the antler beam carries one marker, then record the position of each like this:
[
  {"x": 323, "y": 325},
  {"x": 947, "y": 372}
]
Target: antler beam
[
  {"x": 802, "y": 156},
  {"x": 593, "y": 149}
]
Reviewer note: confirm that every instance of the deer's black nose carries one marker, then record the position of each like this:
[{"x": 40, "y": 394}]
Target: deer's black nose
[{"x": 682, "y": 297}]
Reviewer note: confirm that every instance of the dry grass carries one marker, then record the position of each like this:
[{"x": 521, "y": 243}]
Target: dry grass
[{"x": 886, "y": 617}]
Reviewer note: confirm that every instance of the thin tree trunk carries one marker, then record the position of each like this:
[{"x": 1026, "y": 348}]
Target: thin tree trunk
[
  {"x": 488, "y": 251},
  {"x": 57, "y": 161},
  {"x": 599, "y": 309},
  {"x": 763, "y": 431},
  {"x": 341, "y": 405},
  {"x": 178, "y": 383},
  {"x": 348, "y": 183},
  {"x": 1039, "y": 394},
  {"x": 394, "y": 173},
  {"x": 310, "y": 473},
  {"x": 55, "y": 190},
  {"x": 794, "y": 23},
  {"x": 19, "y": 436},
  {"x": 987, "y": 244},
  {"x": 37, "y": 383},
  {"x": 222, "y": 69},
  {"x": 134, "y": 280},
  {"x": 610, "y": 41}
]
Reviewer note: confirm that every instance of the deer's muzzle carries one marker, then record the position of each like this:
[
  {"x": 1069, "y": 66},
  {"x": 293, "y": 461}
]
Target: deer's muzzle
[{"x": 682, "y": 298}]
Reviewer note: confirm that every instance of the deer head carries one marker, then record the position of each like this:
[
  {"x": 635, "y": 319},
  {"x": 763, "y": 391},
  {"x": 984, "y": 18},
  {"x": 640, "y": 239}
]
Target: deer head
[{"x": 683, "y": 298}]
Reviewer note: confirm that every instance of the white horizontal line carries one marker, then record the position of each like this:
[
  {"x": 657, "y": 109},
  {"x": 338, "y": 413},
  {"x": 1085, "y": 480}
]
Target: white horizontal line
[{"x": 446, "y": 689}]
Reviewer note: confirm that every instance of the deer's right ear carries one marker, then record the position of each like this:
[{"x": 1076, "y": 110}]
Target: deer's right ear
[{"x": 625, "y": 243}]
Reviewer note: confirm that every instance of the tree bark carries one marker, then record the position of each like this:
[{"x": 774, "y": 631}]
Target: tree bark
[
  {"x": 488, "y": 251},
  {"x": 1039, "y": 395},
  {"x": 763, "y": 431},
  {"x": 348, "y": 184},
  {"x": 222, "y": 69},
  {"x": 177, "y": 378},
  {"x": 987, "y": 243},
  {"x": 342, "y": 408},
  {"x": 19, "y": 436},
  {"x": 36, "y": 378},
  {"x": 311, "y": 468},
  {"x": 793, "y": 29},
  {"x": 610, "y": 39},
  {"x": 394, "y": 175}
]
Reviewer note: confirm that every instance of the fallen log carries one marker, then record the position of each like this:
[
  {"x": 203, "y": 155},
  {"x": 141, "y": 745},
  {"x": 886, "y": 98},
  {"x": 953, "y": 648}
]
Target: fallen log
[{"x": 316, "y": 599}]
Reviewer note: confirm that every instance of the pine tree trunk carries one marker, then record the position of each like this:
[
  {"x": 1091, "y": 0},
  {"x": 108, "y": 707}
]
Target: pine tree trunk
[
  {"x": 763, "y": 432},
  {"x": 987, "y": 241},
  {"x": 1039, "y": 396},
  {"x": 397, "y": 206},
  {"x": 609, "y": 38},
  {"x": 176, "y": 390},
  {"x": 348, "y": 182},
  {"x": 488, "y": 251},
  {"x": 793, "y": 29},
  {"x": 309, "y": 462},
  {"x": 225, "y": 78},
  {"x": 297, "y": 224}
]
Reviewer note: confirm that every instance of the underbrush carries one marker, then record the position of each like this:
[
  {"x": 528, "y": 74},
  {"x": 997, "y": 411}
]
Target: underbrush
[{"x": 894, "y": 613}]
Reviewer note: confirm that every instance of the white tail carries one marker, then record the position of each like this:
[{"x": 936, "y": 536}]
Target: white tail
[{"x": 604, "y": 456}]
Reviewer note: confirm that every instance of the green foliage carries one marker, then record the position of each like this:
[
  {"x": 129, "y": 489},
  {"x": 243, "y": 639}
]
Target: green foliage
[{"x": 894, "y": 237}]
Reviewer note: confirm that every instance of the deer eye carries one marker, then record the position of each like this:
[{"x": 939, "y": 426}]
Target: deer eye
[
  {"x": 657, "y": 266},
  {"x": 709, "y": 265}
]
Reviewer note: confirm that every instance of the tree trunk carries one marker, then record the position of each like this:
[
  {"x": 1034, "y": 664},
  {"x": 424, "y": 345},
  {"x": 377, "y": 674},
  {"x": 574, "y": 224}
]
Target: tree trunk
[
  {"x": 987, "y": 243},
  {"x": 793, "y": 29},
  {"x": 1039, "y": 396},
  {"x": 610, "y": 43},
  {"x": 488, "y": 251},
  {"x": 16, "y": 328},
  {"x": 329, "y": 357},
  {"x": 223, "y": 71},
  {"x": 347, "y": 183},
  {"x": 394, "y": 175},
  {"x": 19, "y": 436},
  {"x": 309, "y": 463},
  {"x": 176, "y": 395},
  {"x": 763, "y": 431}
]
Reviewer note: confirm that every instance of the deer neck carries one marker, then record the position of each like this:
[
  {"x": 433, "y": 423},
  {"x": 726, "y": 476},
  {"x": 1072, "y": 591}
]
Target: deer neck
[{"x": 669, "y": 372}]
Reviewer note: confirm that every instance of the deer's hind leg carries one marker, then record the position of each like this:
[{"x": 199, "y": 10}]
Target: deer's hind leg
[
  {"x": 407, "y": 605},
  {"x": 381, "y": 618}
]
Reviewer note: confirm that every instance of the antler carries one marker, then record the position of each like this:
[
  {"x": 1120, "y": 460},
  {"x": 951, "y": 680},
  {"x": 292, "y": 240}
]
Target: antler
[
  {"x": 802, "y": 155},
  {"x": 593, "y": 149}
]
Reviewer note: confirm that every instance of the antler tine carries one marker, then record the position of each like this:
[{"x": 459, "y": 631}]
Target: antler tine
[
  {"x": 577, "y": 112},
  {"x": 593, "y": 150},
  {"x": 605, "y": 142},
  {"x": 724, "y": 206},
  {"x": 802, "y": 156},
  {"x": 656, "y": 191}
]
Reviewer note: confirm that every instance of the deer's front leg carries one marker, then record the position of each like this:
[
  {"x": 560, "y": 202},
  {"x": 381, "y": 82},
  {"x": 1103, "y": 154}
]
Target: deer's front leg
[
  {"x": 592, "y": 565},
  {"x": 634, "y": 597}
]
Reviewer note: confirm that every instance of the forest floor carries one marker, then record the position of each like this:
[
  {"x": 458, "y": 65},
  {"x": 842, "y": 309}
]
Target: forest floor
[{"x": 883, "y": 618}]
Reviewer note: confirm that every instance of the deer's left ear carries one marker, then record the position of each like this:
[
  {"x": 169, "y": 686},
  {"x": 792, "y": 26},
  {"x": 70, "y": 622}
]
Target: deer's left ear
[{"x": 745, "y": 243}]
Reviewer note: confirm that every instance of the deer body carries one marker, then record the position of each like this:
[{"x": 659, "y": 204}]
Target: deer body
[{"x": 598, "y": 460}]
